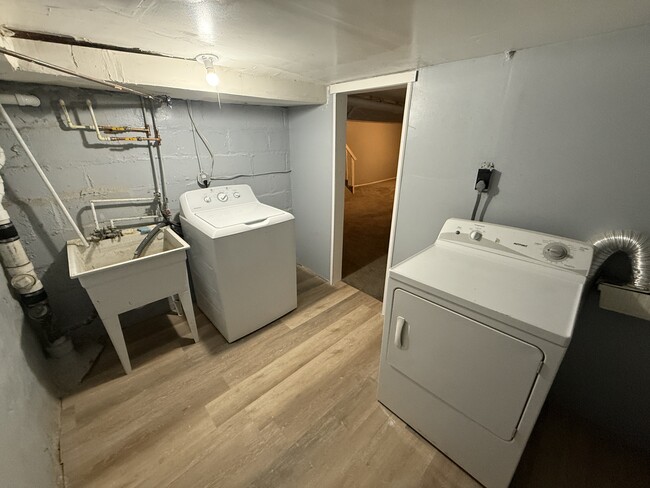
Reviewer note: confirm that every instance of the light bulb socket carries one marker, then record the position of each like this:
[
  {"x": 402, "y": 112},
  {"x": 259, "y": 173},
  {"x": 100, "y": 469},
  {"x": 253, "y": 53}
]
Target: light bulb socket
[
  {"x": 208, "y": 61},
  {"x": 212, "y": 59}
]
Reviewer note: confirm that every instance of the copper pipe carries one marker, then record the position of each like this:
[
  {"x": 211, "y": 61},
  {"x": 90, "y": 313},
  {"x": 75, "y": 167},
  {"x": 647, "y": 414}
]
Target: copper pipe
[
  {"x": 103, "y": 128},
  {"x": 138, "y": 139},
  {"x": 114, "y": 138},
  {"x": 107, "y": 128}
]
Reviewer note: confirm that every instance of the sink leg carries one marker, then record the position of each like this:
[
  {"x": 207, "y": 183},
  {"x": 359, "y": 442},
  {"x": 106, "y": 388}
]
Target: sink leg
[
  {"x": 188, "y": 309},
  {"x": 114, "y": 329}
]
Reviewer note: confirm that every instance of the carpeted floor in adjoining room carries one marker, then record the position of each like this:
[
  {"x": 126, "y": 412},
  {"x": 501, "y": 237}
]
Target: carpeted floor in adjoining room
[{"x": 366, "y": 231}]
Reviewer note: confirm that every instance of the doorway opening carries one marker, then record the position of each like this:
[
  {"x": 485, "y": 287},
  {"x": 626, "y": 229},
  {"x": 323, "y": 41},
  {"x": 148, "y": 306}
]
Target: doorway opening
[{"x": 373, "y": 136}]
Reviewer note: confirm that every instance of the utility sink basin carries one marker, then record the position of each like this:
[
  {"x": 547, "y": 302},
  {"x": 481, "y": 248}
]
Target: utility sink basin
[
  {"x": 117, "y": 283},
  {"x": 117, "y": 254}
]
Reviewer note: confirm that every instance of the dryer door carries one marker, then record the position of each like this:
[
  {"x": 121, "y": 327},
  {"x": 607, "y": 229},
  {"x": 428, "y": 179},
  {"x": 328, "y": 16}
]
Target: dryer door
[{"x": 481, "y": 372}]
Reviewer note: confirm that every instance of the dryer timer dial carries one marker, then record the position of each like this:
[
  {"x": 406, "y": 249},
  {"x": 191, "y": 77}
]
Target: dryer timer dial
[{"x": 556, "y": 251}]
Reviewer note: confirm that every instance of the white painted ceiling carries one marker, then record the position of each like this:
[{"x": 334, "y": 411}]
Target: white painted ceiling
[{"x": 325, "y": 41}]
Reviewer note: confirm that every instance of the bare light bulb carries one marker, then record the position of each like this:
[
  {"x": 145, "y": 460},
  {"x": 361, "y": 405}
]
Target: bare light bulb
[
  {"x": 208, "y": 61},
  {"x": 211, "y": 77}
]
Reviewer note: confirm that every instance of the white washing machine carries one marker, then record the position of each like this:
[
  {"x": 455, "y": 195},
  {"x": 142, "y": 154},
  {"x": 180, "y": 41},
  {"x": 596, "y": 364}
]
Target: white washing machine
[
  {"x": 242, "y": 258},
  {"x": 476, "y": 327}
]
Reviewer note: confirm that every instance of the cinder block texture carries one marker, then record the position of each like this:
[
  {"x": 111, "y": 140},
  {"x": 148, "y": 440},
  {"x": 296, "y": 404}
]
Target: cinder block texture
[{"x": 244, "y": 140}]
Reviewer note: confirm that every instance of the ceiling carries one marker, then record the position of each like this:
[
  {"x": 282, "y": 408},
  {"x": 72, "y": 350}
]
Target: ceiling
[
  {"x": 326, "y": 41},
  {"x": 378, "y": 105}
]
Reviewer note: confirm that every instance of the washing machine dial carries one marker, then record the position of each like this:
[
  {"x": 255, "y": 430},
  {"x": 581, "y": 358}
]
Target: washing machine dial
[
  {"x": 556, "y": 251},
  {"x": 476, "y": 235},
  {"x": 222, "y": 197},
  {"x": 236, "y": 194},
  {"x": 207, "y": 199}
]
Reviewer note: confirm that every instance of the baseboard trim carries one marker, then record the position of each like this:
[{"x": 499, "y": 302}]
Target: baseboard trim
[{"x": 375, "y": 182}]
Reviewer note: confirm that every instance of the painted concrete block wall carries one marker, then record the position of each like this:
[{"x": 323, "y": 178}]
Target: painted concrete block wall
[
  {"x": 311, "y": 130},
  {"x": 567, "y": 126},
  {"x": 376, "y": 146},
  {"x": 30, "y": 413},
  {"x": 245, "y": 139}
]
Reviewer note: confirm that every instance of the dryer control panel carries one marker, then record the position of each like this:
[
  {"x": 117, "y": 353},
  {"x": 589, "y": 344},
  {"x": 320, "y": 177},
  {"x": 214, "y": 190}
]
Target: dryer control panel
[
  {"x": 558, "y": 252},
  {"x": 216, "y": 197}
]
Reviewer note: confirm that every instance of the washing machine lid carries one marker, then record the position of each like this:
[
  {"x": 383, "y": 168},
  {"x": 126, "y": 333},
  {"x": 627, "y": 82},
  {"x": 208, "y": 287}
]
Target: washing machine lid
[
  {"x": 247, "y": 213},
  {"x": 241, "y": 218},
  {"x": 503, "y": 275}
]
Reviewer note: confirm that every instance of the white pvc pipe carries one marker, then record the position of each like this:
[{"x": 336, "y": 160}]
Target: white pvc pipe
[
  {"x": 19, "y": 268},
  {"x": 4, "y": 215},
  {"x": 40, "y": 172},
  {"x": 95, "y": 126},
  {"x": 19, "y": 99},
  {"x": 124, "y": 200},
  {"x": 71, "y": 124},
  {"x": 115, "y": 200},
  {"x": 139, "y": 217}
]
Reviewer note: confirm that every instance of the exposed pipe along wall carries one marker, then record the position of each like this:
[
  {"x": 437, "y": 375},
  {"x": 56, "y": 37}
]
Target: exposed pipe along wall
[
  {"x": 20, "y": 269},
  {"x": 244, "y": 139}
]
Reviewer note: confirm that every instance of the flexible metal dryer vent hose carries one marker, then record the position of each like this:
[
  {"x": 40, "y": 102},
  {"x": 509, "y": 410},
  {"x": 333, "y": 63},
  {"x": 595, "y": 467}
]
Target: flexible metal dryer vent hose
[{"x": 635, "y": 245}]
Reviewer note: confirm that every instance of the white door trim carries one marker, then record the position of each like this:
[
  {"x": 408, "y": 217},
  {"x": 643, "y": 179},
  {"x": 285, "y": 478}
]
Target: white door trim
[
  {"x": 339, "y": 98},
  {"x": 378, "y": 82},
  {"x": 339, "y": 118},
  {"x": 398, "y": 185}
]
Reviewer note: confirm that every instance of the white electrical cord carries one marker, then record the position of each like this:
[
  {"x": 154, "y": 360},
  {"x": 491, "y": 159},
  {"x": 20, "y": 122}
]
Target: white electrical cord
[
  {"x": 250, "y": 175},
  {"x": 203, "y": 179}
]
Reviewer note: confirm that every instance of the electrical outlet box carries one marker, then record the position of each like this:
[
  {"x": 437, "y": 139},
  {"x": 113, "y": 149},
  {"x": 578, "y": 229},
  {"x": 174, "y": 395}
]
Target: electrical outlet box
[{"x": 484, "y": 175}]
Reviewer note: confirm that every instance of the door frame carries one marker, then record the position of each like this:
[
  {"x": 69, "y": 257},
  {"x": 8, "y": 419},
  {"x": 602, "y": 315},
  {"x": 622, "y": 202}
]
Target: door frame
[{"x": 339, "y": 92}]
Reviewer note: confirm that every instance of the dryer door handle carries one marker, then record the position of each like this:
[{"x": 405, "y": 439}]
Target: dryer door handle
[{"x": 399, "y": 327}]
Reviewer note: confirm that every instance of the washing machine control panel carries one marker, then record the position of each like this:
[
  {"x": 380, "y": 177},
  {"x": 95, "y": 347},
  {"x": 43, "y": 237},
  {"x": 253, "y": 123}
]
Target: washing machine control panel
[
  {"x": 217, "y": 197},
  {"x": 545, "y": 249}
]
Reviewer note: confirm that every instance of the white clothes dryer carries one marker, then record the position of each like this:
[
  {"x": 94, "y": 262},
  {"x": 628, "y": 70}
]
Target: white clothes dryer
[{"x": 475, "y": 330}]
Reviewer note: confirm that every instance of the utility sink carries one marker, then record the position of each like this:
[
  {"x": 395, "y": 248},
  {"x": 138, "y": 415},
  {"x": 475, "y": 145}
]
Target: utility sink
[
  {"x": 117, "y": 254},
  {"x": 117, "y": 283}
]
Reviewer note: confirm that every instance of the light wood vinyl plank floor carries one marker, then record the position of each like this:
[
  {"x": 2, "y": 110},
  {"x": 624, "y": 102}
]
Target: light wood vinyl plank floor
[{"x": 292, "y": 405}]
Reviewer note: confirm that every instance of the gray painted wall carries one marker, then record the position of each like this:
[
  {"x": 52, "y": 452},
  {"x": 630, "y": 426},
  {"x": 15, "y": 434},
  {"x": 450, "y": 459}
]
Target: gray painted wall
[
  {"x": 568, "y": 127},
  {"x": 245, "y": 140},
  {"x": 30, "y": 413},
  {"x": 311, "y": 184}
]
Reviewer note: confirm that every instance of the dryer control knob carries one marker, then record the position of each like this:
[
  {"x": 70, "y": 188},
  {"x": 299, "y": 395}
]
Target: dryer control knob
[
  {"x": 235, "y": 194},
  {"x": 476, "y": 235},
  {"x": 556, "y": 251},
  {"x": 207, "y": 199},
  {"x": 222, "y": 197}
]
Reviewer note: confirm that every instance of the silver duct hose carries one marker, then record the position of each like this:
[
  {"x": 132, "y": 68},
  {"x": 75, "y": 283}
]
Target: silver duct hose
[{"x": 635, "y": 245}]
